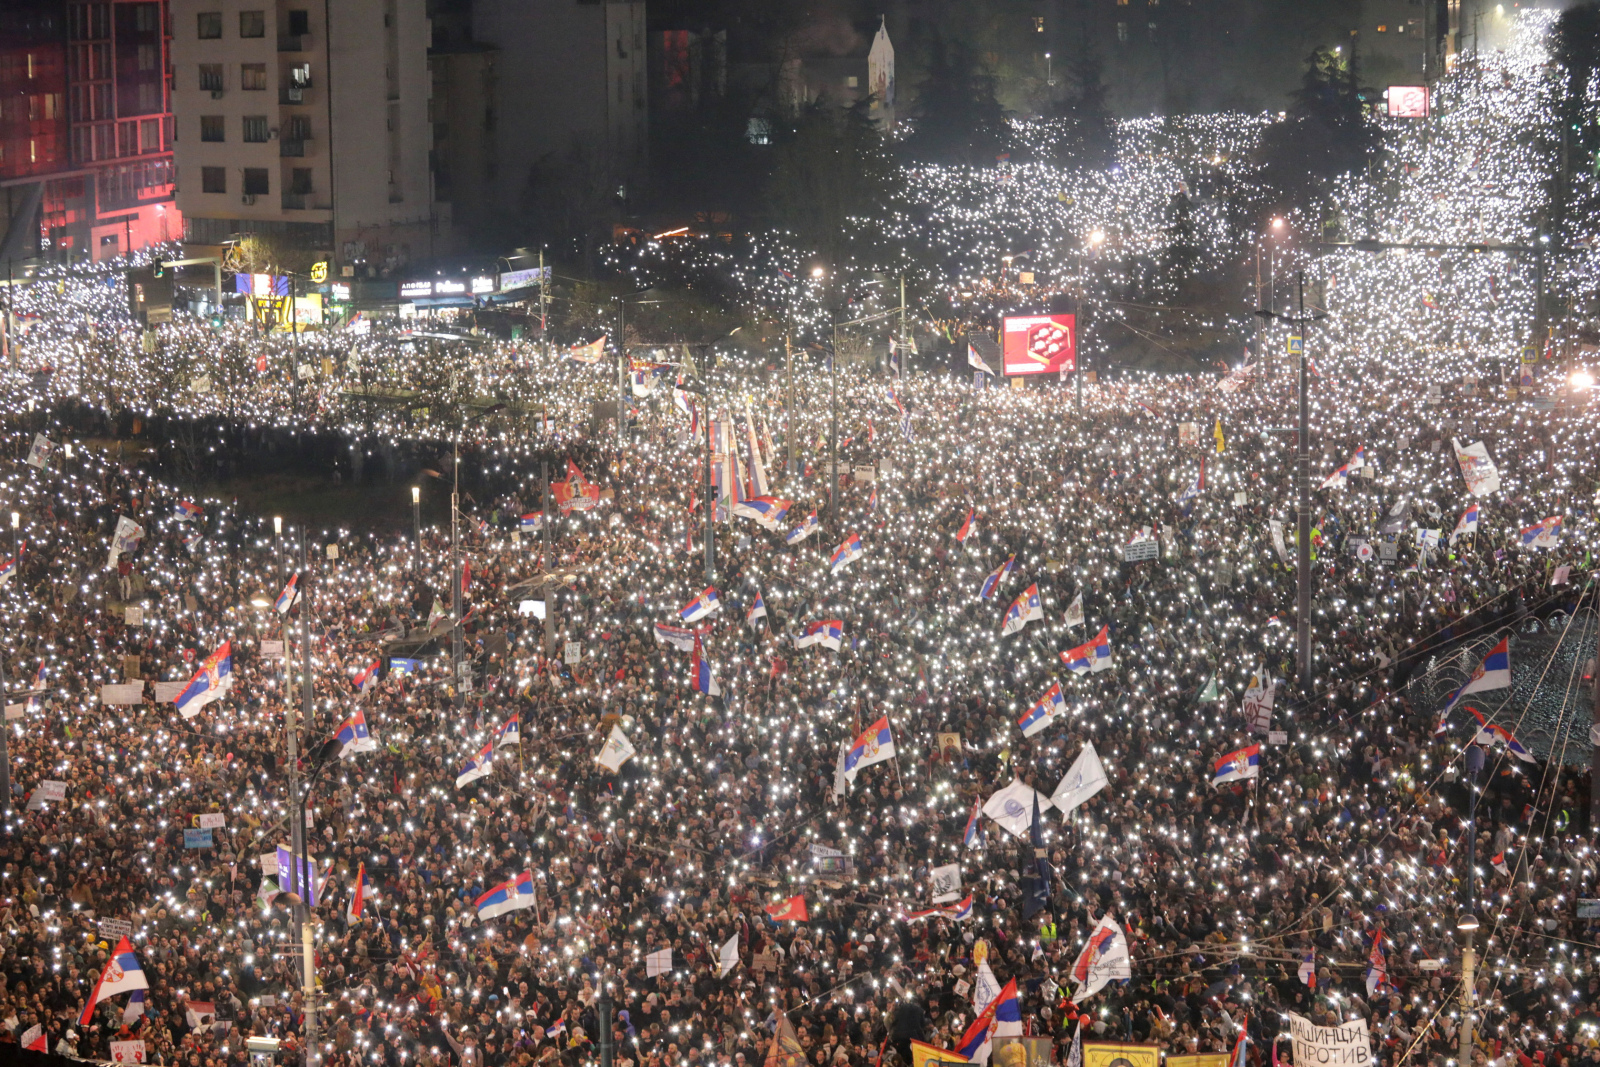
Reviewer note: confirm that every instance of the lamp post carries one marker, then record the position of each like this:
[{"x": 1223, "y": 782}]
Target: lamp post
[
  {"x": 1467, "y": 924},
  {"x": 1302, "y": 477},
  {"x": 416, "y": 517},
  {"x": 297, "y": 816}
]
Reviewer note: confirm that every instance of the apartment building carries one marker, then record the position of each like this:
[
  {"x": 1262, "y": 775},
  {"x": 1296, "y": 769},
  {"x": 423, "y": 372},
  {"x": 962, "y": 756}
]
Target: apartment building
[
  {"x": 305, "y": 130},
  {"x": 85, "y": 128}
]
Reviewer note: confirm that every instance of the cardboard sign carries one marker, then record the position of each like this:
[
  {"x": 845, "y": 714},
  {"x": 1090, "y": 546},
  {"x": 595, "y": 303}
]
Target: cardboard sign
[
  {"x": 114, "y": 930},
  {"x": 123, "y": 693},
  {"x": 1141, "y": 550},
  {"x": 1274, "y": 737},
  {"x": 127, "y": 1052},
  {"x": 271, "y": 649},
  {"x": 47, "y": 791},
  {"x": 1346, "y": 1045},
  {"x": 168, "y": 692},
  {"x": 133, "y": 615},
  {"x": 211, "y": 820},
  {"x": 197, "y": 839},
  {"x": 572, "y": 652}
]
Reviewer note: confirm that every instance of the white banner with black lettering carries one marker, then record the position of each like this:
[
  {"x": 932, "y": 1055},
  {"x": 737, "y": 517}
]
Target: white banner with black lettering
[{"x": 1346, "y": 1045}]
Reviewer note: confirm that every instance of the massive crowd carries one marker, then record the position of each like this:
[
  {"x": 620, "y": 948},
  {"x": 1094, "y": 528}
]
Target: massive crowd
[{"x": 730, "y": 879}]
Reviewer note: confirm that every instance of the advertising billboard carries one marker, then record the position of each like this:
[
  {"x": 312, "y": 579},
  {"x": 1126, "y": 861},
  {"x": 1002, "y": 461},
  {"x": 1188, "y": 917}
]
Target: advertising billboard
[
  {"x": 1040, "y": 344},
  {"x": 1408, "y": 101}
]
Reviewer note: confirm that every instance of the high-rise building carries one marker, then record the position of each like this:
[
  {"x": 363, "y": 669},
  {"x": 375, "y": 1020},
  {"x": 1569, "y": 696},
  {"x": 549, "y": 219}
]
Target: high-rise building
[
  {"x": 85, "y": 128},
  {"x": 305, "y": 132},
  {"x": 579, "y": 95}
]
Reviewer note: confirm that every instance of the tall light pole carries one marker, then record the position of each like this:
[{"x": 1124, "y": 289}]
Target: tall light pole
[
  {"x": 416, "y": 518},
  {"x": 1467, "y": 923},
  {"x": 1302, "y": 477},
  {"x": 297, "y": 817},
  {"x": 833, "y": 426}
]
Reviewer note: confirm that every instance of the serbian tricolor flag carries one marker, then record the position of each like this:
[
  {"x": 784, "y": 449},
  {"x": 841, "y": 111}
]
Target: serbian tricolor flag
[
  {"x": 966, "y": 526},
  {"x": 1357, "y": 460},
  {"x": 121, "y": 975},
  {"x": 352, "y": 911},
  {"x": 1498, "y": 862},
  {"x": 187, "y": 512},
  {"x": 704, "y": 680},
  {"x": 992, "y": 583},
  {"x": 290, "y": 594},
  {"x": 367, "y": 679},
  {"x": 33, "y": 1039},
  {"x": 793, "y": 909}
]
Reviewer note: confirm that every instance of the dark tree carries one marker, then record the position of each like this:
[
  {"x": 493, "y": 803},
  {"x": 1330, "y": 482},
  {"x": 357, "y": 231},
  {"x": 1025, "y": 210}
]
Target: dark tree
[
  {"x": 1089, "y": 140},
  {"x": 1327, "y": 131},
  {"x": 958, "y": 118},
  {"x": 1572, "y": 138},
  {"x": 829, "y": 168}
]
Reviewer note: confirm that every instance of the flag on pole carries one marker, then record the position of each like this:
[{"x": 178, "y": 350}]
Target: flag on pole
[
  {"x": 966, "y": 527},
  {"x": 1085, "y": 778},
  {"x": 290, "y": 594},
  {"x": 1074, "y": 615},
  {"x": 875, "y": 744},
  {"x": 211, "y": 682},
  {"x": 352, "y": 911},
  {"x": 1104, "y": 959},
  {"x": 1091, "y": 656},
  {"x": 1043, "y": 712},
  {"x": 992, "y": 583},
  {"x": 1023, "y": 610},
  {"x": 122, "y": 974},
  {"x": 513, "y": 895}
]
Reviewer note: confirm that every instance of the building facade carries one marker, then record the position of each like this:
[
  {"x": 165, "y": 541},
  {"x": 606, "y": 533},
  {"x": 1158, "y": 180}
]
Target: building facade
[
  {"x": 85, "y": 128},
  {"x": 580, "y": 87},
  {"x": 305, "y": 131}
]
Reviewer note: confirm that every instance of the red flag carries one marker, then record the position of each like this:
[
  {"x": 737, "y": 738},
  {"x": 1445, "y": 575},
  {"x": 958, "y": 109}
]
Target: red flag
[{"x": 792, "y": 909}]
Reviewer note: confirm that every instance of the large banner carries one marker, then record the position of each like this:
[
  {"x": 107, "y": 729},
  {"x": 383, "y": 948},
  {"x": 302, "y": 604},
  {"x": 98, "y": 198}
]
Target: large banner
[
  {"x": 1040, "y": 344},
  {"x": 1347, "y": 1045},
  {"x": 1104, "y": 1054},
  {"x": 1207, "y": 1059}
]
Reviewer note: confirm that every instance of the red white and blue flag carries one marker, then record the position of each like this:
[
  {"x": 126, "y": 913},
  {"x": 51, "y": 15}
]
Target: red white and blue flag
[
  {"x": 367, "y": 680},
  {"x": 848, "y": 552},
  {"x": 510, "y": 732},
  {"x": 966, "y": 526},
  {"x": 1043, "y": 712},
  {"x": 8, "y": 569},
  {"x": 353, "y": 737},
  {"x": 1467, "y": 524},
  {"x": 1237, "y": 766},
  {"x": 1091, "y": 656},
  {"x": 479, "y": 766},
  {"x": 1357, "y": 460},
  {"x": 290, "y": 594},
  {"x": 1543, "y": 534},
  {"x": 704, "y": 680},
  {"x": 808, "y": 526},
  {"x": 358, "y": 897},
  {"x": 676, "y": 636},
  {"x": 701, "y": 606},
  {"x": 533, "y": 520},
  {"x": 211, "y": 682},
  {"x": 875, "y": 744},
  {"x": 184, "y": 511},
  {"x": 1104, "y": 959},
  {"x": 1490, "y": 733},
  {"x": 1493, "y": 673},
  {"x": 972, "y": 835},
  {"x": 757, "y": 610},
  {"x": 767, "y": 511},
  {"x": 992, "y": 583},
  {"x": 122, "y": 974},
  {"x": 1023, "y": 610},
  {"x": 507, "y": 897},
  {"x": 1377, "y": 964},
  {"x": 828, "y": 632}
]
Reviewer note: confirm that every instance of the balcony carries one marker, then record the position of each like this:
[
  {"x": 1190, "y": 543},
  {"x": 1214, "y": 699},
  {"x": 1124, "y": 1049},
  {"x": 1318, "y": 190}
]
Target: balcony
[
  {"x": 292, "y": 94},
  {"x": 291, "y": 148},
  {"x": 294, "y": 42},
  {"x": 294, "y": 201}
]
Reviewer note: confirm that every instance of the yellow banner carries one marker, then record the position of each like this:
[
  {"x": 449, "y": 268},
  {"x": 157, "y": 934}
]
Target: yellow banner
[
  {"x": 1103, "y": 1054},
  {"x": 1209, "y": 1059},
  {"x": 921, "y": 1053}
]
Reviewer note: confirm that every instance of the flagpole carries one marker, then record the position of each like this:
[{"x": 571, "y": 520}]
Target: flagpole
[{"x": 297, "y": 817}]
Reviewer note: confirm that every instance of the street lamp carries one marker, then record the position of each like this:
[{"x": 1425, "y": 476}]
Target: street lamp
[
  {"x": 1049, "y": 75},
  {"x": 416, "y": 517},
  {"x": 1467, "y": 922}
]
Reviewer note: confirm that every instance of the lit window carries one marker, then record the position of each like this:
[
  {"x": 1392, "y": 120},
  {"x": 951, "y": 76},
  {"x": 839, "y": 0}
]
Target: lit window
[
  {"x": 1038, "y": 23},
  {"x": 1383, "y": 29},
  {"x": 252, "y": 75}
]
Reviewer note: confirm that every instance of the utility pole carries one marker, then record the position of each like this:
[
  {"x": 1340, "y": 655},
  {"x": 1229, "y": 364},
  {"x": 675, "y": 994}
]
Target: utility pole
[
  {"x": 602, "y": 1010},
  {"x": 298, "y": 816},
  {"x": 1467, "y": 922},
  {"x": 711, "y": 495},
  {"x": 622, "y": 374},
  {"x": 549, "y": 565},
  {"x": 1302, "y": 474},
  {"x": 900, "y": 364},
  {"x": 833, "y": 427},
  {"x": 789, "y": 430},
  {"x": 544, "y": 308},
  {"x": 455, "y": 574},
  {"x": 5, "y": 751}
]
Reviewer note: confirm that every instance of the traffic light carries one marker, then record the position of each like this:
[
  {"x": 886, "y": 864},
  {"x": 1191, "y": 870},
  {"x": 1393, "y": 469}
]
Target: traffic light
[{"x": 159, "y": 268}]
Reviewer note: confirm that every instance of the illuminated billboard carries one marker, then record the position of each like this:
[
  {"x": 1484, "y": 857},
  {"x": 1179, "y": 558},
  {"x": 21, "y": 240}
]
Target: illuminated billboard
[
  {"x": 1408, "y": 101},
  {"x": 1040, "y": 344}
]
